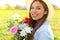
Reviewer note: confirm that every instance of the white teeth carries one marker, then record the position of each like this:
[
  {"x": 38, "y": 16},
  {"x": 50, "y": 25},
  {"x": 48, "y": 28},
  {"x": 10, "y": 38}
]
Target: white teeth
[{"x": 34, "y": 15}]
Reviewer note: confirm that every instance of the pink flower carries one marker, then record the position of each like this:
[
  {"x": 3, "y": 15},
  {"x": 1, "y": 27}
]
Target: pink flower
[{"x": 13, "y": 30}]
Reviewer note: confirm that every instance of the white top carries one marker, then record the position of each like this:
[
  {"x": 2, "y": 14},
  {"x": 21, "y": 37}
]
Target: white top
[{"x": 44, "y": 32}]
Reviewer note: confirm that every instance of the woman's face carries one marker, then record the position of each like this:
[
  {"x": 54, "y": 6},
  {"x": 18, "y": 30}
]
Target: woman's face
[{"x": 37, "y": 10}]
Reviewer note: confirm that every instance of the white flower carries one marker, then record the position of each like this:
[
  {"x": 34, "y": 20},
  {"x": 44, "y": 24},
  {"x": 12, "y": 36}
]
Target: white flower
[
  {"x": 24, "y": 39},
  {"x": 27, "y": 29},
  {"x": 21, "y": 27},
  {"x": 23, "y": 33},
  {"x": 15, "y": 16}
]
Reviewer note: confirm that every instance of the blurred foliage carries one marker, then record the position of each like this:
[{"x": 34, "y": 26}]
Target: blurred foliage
[
  {"x": 18, "y": 7},
  {"x": 8, "y": 7},
  {"x": 55, "y": 23},
  {"x": 55, "y": 7}
]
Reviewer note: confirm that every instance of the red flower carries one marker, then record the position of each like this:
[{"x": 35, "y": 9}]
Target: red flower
[{"x": 26, "y": 20}]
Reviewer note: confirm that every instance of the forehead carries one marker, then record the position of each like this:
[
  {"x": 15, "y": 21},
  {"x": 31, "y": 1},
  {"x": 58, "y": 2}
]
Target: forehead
[{"x": 37, "y": 3}]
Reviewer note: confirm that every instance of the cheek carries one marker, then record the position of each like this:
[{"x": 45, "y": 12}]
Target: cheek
[{"x": 41, "y": 14}]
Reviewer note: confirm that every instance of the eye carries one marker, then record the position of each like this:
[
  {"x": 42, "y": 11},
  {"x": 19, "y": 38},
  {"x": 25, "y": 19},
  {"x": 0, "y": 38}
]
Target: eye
[
  {"x": 32, "y": 7},
  {"x": 38, "y": 8}
]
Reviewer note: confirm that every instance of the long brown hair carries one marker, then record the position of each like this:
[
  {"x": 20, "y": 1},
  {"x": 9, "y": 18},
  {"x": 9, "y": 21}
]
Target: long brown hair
[{"x": 35, "y": 25}]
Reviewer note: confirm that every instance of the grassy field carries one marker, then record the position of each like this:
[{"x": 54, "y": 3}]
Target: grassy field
[
  {"x": 6, "y": 14},
  {"x": 55, "y": 23}
]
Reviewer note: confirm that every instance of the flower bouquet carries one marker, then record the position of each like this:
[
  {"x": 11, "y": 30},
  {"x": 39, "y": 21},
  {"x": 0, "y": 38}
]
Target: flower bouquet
[{"x": 19, "y": 27}]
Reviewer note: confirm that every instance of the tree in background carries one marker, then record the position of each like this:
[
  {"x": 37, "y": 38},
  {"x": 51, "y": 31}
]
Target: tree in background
[
  {"x": 55, "y": 7},
  {"x": 8, "y": 7},
  {"x": 17, "y": 7}
]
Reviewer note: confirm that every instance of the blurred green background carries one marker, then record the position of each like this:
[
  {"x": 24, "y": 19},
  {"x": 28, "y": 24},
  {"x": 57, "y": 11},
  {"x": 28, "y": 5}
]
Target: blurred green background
[{"x": 8, "y": 11}]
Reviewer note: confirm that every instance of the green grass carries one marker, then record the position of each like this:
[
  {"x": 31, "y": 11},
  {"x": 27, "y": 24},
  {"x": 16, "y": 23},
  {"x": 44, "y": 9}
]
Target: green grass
[
  {"x": 6, "y": 14},
  {"x": 55, "y": 23}
]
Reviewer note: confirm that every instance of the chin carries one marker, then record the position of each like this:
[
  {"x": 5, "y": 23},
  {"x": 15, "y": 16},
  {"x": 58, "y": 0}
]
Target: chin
[{"x": 35, "y": 19}]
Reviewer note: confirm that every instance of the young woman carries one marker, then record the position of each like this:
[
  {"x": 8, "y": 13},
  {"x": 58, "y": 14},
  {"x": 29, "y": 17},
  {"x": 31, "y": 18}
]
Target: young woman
[{"x": 39, "y": 13}]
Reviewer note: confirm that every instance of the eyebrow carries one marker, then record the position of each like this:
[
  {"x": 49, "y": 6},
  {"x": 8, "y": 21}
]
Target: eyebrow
[{"x": 36, "y": 6}]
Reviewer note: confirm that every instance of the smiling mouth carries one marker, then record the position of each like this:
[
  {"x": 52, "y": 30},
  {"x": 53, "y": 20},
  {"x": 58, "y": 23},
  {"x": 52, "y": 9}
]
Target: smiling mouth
[{"x": 34, "y": 15}]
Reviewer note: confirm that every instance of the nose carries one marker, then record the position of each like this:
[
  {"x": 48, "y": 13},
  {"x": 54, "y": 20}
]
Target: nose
[{"x": 34, "y": 10}]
